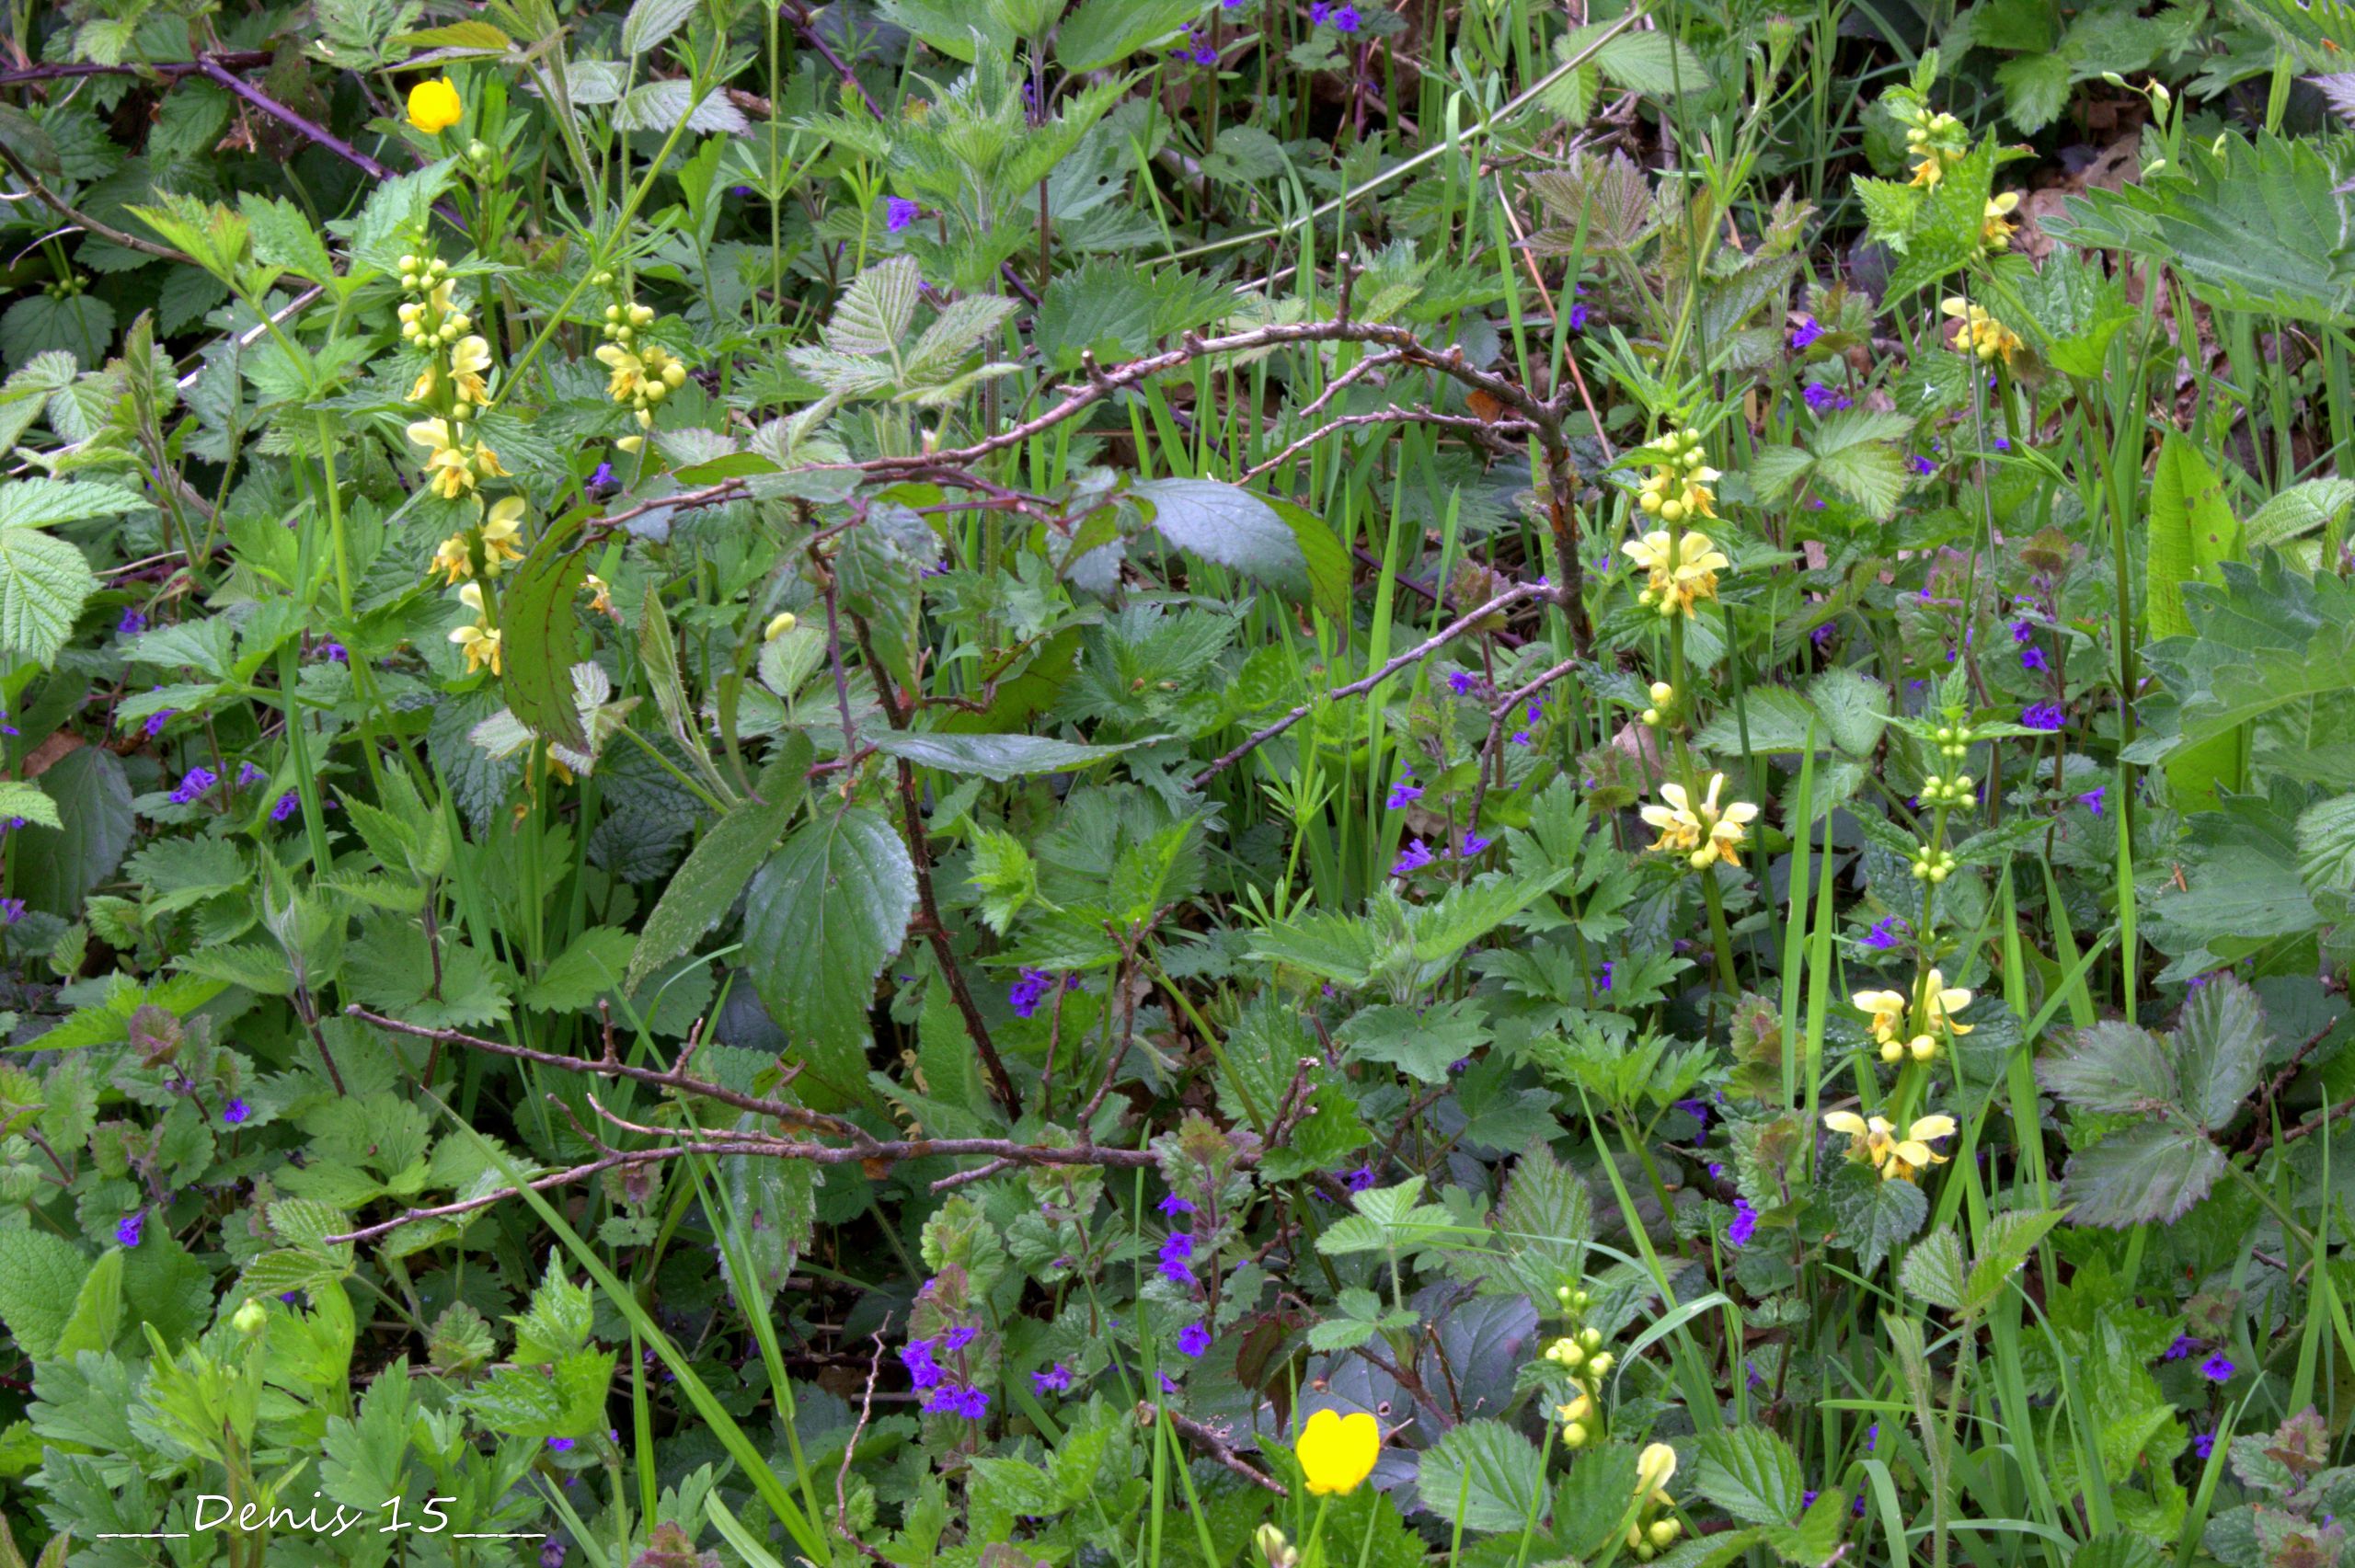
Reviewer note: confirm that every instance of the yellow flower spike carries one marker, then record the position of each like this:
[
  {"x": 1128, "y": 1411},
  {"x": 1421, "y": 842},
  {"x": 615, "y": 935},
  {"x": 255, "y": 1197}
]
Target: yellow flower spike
[
  {"x": 1978, "y": 333},
  {"x": 453, "y": 560},
  {"x": 486, "y": 463},
  {"x": 448, "y": 471},
  {"x": 481, "y": 645},
  {"x": 1337, "y": 1452},
  {"x": 1940, "y": 1000},
  {"x": 469, "y": 358},
  {"x": 1869, "y": 1141},
  {"x": 1908, "y": 1159},
  {"x": 501, "y": 535},
  {"x": 1889, "y": 1009},
  {"x": 628, "y": 378},
  {"x": 1996, "y": 231},
  {"x": 434, "y": 106},
  {"x": 1655, "y": 1468}
]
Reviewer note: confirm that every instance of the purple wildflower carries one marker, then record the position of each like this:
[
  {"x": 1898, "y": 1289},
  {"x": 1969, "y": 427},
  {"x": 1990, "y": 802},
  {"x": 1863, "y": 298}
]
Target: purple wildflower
[
  {"x": 2002, "y": 445},
  {"x": 960, "y": 1337},
  {"x": 1577, "y": 318},
  {"x": 131, "y": 623},
  {"x": 2023, "y": 631},
  {"x": 1806, "y": 332},
  {"x": 1883, "y": 936},
  {"x": 1176, "y": 1261},
  {"x": 1872, "y": 1437},
  {"x": 602, "y": 476},
  {"x": 1459, "y": 682},
  {"x": 1345, "y": 19},
  {"x": 288, "y": 804},
  {"x": 1414, "y": 857},
  {"x": 1028, "y": 991},
  {"x": 157, "y": 720},
  {"x": 1056, "y": 1379},
  {"x": 2092, "y": 799},
  {"x": 1172, "y": 1204},
  {"x": 923, "y": 1372},
  {"x": 1401, "y": 794},
  {"x": 1698, "y": 1110},
  {"x": 2216, "y": 1368},
  {"x": 1807, "y": 1497},
  {"x": 1318, "y": 10},
  {"x": 2184, "y": 1345},
  {"x": 1744, "y": 1226},
  {"x": 1920, "y": 465},
  {"x": 126, "y": 1231},
  {"x": 1472, "y": 844},
  {"x": 1822, "y": 399},
  {"x": 1521, "y": 737},
  {"x": 1203, "y": 54},
  {"x": 236, "y": 1112},
  {"x": 1360, "y": 1179},
  {"x": 899, "y": 212},
  {"x": 2203, "y": 1445},
  {"x": 1193, "y": 1339},
  {"x": 193, "y": 785},
  {"x": 1602, "y": 978},
  {"x": 552, "y": 1554},
  {"x": 247, "y": 774},
  {"x": 2033, "y": 658},
  {"x": 560, "y": 1445},
  {"x": 2046, "y": 717}
]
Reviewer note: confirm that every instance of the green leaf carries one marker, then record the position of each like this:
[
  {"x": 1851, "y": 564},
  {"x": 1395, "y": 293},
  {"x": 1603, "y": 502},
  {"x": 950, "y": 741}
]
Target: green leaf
[
  {"x": 1946, "y": 234},
  {"x": 20, "y": 799},
  {"x": 1327, "y": 561},
  {"x": 1751, "y": 1474},
  {"x": 1230, "y": 526},
  {"x": 1485, "y": 1476},
  {"x": 591, "y": 966},
  {"x": 651, "y": 21},
  {"x": 1935, "y": 1270},
  {"x": 1102, "y": 33},
  {"x": 2110, "y": 1067},
  {"x": 2036, "y": 89},
  {"x": 824, "y": 917},
  {"x": 537, "y": 636},
  {"x": 1875, "y": 1215},
  {"x": 1595, "y": 1498},
  {"x": 702, "y": 891},
  {"x": 40, "y": 1278},
  {"x": 1655, "y": 63},
  {"x": 1004, "y": 875},
  {"x": 81, "y": 325},
  {"x": 996, "y": 757},
  {"x": 1420, "y": 1042},
  {"x": 44, "y": 582},
  {"x": 1854, "y": 707},
  {"x": 2220, "y": 1045},
  {"x": 2075, "y": 308},
  {"x": 2191, "y": 534},
  {"x": 38, "y": 503},
  {"x": 2142, "y": 1174},
  {"x": 876, "y": 309},
  {"x": 55, "y": 866},
  {"x": 2302, "y": 508},
  {"x": 97, "y": 1316},
  {"x": 1772, "y": 718}
]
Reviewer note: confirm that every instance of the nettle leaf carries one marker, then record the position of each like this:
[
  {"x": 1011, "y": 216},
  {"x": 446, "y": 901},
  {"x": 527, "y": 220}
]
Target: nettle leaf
[
  {"x": 1875, "y": 1215},
  {"x": 537, "y": 635},
  {"x": 876, "y": 309},
  {"x": 659, "y": 106},
  {"x": 1421, "y": 1042},
  {"x": 1946, "y": 233},
  {"x": 2074, "y": 308},
  {"x": 1484, "y": 1475},
  {"x": 824, "y": 917},
  {"x": 1104, "y": 32}
]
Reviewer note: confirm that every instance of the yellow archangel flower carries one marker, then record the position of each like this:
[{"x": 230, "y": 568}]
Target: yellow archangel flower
[
  {"x": 1701, "y": 832},
  {"x": 469, "y": 358},
  {"x": 1996, "y": 231},
  {"x": 1682, "y": 569},
  {"x": 1978, "y": 333},
  {"x": 1876, "y": 1144},
  {"x": 451, "y": 469},
  {"x": 479, "y": 643},
  {"x": 1934, "y": 139},
  {"x": 1940, "y": 1001},
  {"x": 1889, "y": 1009}
]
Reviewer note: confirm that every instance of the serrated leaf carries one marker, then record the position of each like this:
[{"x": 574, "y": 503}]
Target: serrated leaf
[
  {"x": 1875, "y": 1215},
  {"x": 702, "y": 890},
  {"x": 41, "y": 1277},
  {"x": 2110, "y": 1067},
  {"x": 2140, "y": 1174},
  {"x": 1102, "y": 33},
  {"x": 2219, "y": 1049},
  {"x": 591, "y": 966},
  {"x": 1485, "y": 1476},
  {"x": 44, "y": 582},
  {"x": 997, "y": 757},
  {"x": 537, "y": 635},
  {"x": 824, "y": 917},
  {"x": 651, "y": 21},
  {"x": 876, "y": 309},
  {"x": 1751, "y": 1474},
  {"x": 1228, "y": 525}
]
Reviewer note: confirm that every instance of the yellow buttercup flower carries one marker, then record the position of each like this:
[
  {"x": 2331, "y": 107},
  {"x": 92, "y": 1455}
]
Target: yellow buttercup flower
[
  {"x": 1996, "y": 231},
  {"x": 1702, "y": 831},
  {"x": 434, "y": 106},
  {"x": 1337, "y": 1452},
  {"x": 1978, "y": 333}
]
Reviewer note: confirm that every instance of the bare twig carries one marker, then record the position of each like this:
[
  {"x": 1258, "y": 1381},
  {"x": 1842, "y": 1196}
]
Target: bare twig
[
  {"x": 164, "y": 71},
  {"x": 1210, "y": 1442},
  {"x": 850, "y": 1451},
  {"x": 1498, "y": 716},
  {"x": 1421, "y": 650},
  {"x": 59, "y": 205},
  {"x": 1469, "y": 423}
]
